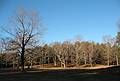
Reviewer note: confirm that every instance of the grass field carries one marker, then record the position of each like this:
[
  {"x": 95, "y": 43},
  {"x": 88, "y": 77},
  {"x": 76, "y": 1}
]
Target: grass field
[{"x": 108, "y": 74}]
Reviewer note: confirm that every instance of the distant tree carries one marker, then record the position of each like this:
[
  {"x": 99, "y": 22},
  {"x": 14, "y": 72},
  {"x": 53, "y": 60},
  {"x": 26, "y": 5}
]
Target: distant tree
[
  {"x": 84, "y": 52},
  {"x": 5, "y": 47},
  {"x": 61, "y": 52},
  {"x": 91, "y": 52},
  {"x": 98, "y": 56},
  {"x": 30, "y": 57},
  {"x": 45, "y": 53},
  {"x": 77, "y": 47},
  {"x": 53, "y": 54},
  {"x": 66, "y": 51},
  {"x": 118, "y": 46},
  {"x": 109, "y": 41}
]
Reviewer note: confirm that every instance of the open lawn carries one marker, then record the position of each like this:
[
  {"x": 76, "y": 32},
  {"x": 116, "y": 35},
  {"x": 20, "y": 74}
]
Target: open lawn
[{"x": 107, "y": 74}]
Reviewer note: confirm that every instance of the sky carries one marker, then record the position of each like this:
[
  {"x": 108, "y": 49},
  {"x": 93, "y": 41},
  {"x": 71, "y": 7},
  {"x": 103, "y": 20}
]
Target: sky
[{"x": 66, "y": 19}]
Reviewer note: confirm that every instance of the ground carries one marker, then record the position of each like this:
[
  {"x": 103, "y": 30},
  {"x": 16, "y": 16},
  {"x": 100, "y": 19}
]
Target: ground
[{"x": 106, "y": 74}]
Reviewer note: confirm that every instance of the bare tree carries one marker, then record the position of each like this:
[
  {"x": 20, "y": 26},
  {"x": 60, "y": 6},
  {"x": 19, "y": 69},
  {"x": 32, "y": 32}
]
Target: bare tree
[
  {"x": 91, "y": 49},
  {"x": 5, "y": 46},
  {"x": 84, "y": 52},
  {"x": 26, "y": 30},
  {"x": 109, "y": 41},
  {"x": 77, "y": 48},
  {"x": 60, "y": 53}
]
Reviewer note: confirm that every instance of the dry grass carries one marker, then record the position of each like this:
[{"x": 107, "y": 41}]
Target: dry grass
[{"x": 87, "y": 66}]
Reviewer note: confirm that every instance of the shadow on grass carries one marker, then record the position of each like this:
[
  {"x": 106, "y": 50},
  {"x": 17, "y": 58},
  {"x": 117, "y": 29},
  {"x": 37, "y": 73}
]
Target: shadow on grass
[{"x": 111, "y": 74}]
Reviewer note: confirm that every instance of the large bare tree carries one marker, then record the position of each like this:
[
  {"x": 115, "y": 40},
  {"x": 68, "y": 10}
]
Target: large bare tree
[{"x": 25, "y": 31}]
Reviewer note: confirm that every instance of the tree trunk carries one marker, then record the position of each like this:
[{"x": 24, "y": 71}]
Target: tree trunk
[
  {"x": 64, "y": 65},
  {"x": 54, "y": 62},
  {"x": 61, "y": 64},
  {"x": 91, "y": 62},
  {"x": 77, "y": 60},
  {"x": 108, "y": 60},
  {"x": 18, "y": 64},
  {"x": 22, "y": 58},
  {"x": 40, "y": 61},
  {"x": 108, "y": 56},
  {"x": 1, "y": 62},
  {"x": 31, "y": 64},
  {"x": 6, "y": 63},
  {"x": 48, "y": 60},
  {"x": 85, "y": 59},
  {"x": 117, "y": 61},
  {"x": 13, "y": 62}
]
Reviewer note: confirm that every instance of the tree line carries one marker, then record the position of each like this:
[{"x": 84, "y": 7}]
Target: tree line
[{"x": 65, "y": 54}]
